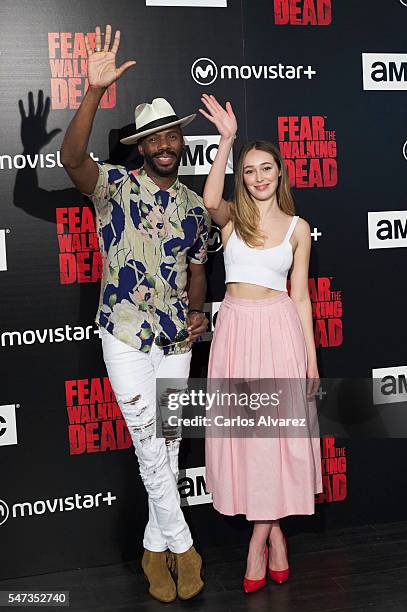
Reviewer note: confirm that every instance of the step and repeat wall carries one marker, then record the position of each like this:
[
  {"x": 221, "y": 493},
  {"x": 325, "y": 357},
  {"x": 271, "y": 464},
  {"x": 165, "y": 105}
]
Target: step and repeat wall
[{"x": 324, "y": 79}]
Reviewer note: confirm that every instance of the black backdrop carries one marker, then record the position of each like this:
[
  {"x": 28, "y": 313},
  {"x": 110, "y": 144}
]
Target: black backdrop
[{"x": 359, "y": 317}]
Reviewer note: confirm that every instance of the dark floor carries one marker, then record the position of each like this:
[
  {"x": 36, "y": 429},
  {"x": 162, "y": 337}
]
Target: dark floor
[{"x": 358, "y": 569}]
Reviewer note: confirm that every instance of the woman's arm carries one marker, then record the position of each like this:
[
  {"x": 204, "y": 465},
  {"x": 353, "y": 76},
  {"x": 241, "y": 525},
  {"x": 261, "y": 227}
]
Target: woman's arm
[
  {"x": 225, "y": 122},
  {"x": 299, "y": 294}
]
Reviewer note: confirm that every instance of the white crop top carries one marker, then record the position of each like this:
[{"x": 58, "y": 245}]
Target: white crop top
[{"x": 265, "y": 267}]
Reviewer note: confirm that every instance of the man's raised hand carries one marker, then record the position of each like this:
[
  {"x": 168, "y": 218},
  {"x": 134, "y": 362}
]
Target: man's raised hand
[{"x": 102, "y": 70}]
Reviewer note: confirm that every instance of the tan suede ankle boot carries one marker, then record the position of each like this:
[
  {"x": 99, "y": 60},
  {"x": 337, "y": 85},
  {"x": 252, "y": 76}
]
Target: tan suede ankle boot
[
  {"x": 188, "y": 569},
  {"x": 162, "y": 586}
]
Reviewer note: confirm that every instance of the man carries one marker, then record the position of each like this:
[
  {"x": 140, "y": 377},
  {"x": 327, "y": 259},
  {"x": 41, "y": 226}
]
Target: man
[{"x": 153, "y": 234}]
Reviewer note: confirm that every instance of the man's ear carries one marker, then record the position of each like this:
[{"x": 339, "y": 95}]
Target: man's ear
[{"x": 140, "y": 148}]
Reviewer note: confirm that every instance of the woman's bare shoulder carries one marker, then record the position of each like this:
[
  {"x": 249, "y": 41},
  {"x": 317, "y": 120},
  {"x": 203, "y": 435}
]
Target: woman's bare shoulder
[{"x": 302, "y": 227}]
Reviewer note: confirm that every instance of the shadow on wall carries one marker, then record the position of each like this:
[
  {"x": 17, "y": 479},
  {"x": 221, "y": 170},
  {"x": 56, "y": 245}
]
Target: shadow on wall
[
  {"x": 28, "y": 195},
  {"x": 43, "y": 204}
]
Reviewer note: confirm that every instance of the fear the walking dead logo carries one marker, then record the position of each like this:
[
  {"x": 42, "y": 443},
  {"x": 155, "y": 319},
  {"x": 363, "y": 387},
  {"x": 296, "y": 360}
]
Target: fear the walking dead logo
[
  {"x": 309, "y": 151},
  {"x": 69, "y": 68},
  {"x": 80, "y": 260},
  {"x": 326, "y": 312},
  {"x": 303, "y": 12},
  {"x": 333, "y": 464},
  {"x": 95, "y": 422}
]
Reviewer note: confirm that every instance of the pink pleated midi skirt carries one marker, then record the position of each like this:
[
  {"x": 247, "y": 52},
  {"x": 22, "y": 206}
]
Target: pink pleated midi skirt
[{"x": 264, "y": 478}]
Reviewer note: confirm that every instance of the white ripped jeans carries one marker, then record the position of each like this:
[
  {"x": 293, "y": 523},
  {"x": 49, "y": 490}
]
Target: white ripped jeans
[{"x": 133, "y": 377}]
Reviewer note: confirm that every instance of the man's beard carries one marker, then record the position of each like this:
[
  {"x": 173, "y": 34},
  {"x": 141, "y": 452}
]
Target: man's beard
[{"x": 159, "y": 169}]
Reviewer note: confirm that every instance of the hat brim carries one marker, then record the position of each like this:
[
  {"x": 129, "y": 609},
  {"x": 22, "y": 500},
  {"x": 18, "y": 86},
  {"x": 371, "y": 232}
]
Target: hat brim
[{"x": 181, "y": 122}]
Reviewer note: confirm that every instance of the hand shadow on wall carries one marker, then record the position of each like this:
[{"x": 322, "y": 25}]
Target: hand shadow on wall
[{"x": 41, "y": 203}]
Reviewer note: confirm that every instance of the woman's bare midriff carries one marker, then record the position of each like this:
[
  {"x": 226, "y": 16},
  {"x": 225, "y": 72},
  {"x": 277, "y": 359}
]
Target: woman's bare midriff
[{"x": 249, "y": 291}]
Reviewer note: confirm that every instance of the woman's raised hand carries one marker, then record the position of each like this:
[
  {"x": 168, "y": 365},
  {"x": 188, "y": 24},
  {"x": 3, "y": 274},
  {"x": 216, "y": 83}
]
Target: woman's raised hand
[
  {"x": 102, "y": 70},
  {"x": 223, "y": 118}
]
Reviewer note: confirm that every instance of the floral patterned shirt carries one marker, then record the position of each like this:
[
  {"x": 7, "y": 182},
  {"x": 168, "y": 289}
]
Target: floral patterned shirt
[{"x": 146, "y": 237}]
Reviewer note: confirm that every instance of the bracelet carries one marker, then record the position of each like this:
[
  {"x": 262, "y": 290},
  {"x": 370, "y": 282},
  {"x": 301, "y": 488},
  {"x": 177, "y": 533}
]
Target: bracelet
[{"x": 194, "y": 310}]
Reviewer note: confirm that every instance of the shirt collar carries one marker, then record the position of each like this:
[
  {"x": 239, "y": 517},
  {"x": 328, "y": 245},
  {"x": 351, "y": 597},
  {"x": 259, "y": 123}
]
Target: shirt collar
[{"x": 152, "y": 187}]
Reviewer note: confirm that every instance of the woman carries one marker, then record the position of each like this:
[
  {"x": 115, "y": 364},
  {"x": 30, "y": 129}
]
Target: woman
[{"x": 261, "y": 333}]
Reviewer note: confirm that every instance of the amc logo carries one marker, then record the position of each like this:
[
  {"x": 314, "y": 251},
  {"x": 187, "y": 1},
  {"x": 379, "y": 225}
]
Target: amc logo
[
  {"x": 211, "y": 311},
  {"x": 8, "y": 425},
  {"x": 199, "y": 154},
  {"x": 191, "y": 487},
  {"x": 387, "y": 229},
  {"x": 3, "y": 252},
  {"x": 389, "y": 385},
  {"x": 384, "y": 71}
]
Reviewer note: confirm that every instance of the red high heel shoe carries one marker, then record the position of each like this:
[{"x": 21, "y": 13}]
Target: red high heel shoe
[
  {"x": 249, "y": 585},
  {"x": 280, "y": 576}
]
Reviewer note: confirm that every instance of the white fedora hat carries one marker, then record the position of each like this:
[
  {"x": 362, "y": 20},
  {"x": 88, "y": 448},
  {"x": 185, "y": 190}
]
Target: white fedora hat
[{"x": 150, "y": 118}]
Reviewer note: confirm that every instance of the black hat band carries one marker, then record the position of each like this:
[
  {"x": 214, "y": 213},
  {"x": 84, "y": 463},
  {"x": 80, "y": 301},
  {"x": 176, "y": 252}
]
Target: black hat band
[{"x": 157, "y": 123}]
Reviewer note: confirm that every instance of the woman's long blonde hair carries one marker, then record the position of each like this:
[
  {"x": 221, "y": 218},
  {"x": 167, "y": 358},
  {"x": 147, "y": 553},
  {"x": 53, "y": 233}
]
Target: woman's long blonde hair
[{"x": 243, "y": 210}]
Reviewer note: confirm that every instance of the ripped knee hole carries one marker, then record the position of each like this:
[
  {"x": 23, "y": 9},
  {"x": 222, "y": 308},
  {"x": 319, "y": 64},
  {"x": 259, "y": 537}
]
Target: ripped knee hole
[
  {"x": 133, "y": 400},
  {"x": 145, "y": 431}
]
